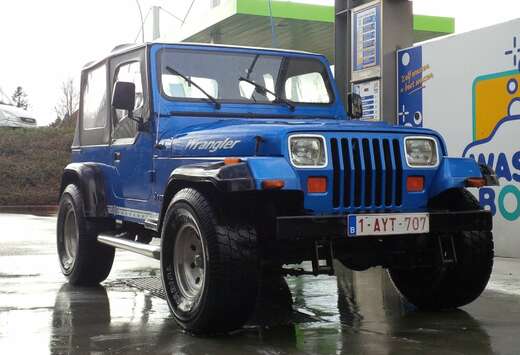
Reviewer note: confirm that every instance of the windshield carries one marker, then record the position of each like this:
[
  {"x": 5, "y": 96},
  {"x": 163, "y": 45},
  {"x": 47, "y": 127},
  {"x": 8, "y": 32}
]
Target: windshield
[
  {"x": 4, "y": 99},
  {"x": 221, "y": 75}
]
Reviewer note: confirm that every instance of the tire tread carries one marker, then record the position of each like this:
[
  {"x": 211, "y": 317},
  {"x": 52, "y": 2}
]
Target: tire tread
[
  {"x": 233, "y": 270},
  {"x": 94, "y": 260},
  {"x": 459, "y": 284}
]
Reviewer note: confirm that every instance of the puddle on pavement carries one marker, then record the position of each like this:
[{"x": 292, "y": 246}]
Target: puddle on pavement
[
  {"x": 355, "y": 312},
  {"x": 360, "y": 313}
]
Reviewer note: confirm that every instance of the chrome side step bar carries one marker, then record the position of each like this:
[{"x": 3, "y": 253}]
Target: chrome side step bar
[{"x": 151, "y": 251}]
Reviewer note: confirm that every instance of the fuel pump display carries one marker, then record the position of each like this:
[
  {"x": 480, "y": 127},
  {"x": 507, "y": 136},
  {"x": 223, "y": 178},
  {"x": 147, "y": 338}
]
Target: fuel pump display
[
  {"x": 367, "y": 41},
  {"x": 366, "y": 58}
]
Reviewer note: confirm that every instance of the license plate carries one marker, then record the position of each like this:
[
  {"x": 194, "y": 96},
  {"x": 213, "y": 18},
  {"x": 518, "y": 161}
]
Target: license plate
[{"x": 388, "y": 224}]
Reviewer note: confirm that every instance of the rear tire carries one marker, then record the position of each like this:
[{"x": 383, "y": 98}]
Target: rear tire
[
  {"x": 209, "y": 270},
  {"x": 451, "y": 286},
  {"x": 83, "y": 260}
]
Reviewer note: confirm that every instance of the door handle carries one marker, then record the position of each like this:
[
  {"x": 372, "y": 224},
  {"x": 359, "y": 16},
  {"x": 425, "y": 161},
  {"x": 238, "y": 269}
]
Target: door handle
[{"x": 117, "y": 156}]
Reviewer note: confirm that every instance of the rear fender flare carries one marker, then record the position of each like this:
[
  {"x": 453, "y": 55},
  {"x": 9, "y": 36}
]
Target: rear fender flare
[{"x": 90, "y": 180}]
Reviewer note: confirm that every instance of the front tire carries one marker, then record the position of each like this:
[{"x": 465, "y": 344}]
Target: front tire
[
  {"x": 451, "y": 286},
  {"x": 83, "y": 260},
  {"x": 209, "y": 269}
]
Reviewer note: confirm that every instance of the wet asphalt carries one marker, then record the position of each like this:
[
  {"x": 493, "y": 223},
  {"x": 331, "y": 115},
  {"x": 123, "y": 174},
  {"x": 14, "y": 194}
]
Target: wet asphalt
[{"x": 353, "y": 313}]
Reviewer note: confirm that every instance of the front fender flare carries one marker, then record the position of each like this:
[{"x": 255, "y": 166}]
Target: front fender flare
[
  {"x": 274, "y": 168},
  {"x": 453, "y": 173},
  {"x": 226, "y": 178},
  {"x": 244, "y": 176}
]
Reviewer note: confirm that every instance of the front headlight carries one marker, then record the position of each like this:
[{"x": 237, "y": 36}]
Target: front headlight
[
  {"x": 308, "y": 151},
  {"x": 421, "y": 152}
]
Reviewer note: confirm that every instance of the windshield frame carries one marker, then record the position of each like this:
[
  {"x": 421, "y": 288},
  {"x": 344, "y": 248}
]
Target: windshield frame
[{"x": 328, "y": 79}]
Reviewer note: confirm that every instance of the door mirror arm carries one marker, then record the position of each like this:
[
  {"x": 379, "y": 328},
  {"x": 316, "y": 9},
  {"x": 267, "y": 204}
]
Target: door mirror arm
[
  {"x": 142, "y": 126},
  {"x": 355, "y": 106}
]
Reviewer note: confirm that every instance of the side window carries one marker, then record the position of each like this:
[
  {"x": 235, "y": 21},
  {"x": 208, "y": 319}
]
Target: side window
[
  {"x": 123, "y": 127},
  {"x": 95, "y": 99},
  {"x": 307, "y": 88}
]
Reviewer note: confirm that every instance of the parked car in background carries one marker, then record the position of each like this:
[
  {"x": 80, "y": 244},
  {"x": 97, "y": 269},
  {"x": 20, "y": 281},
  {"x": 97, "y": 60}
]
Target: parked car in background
[{"x": 12, "y": 116}]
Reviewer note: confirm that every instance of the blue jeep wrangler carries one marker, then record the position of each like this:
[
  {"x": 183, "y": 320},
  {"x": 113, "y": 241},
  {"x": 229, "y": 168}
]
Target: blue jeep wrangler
[{"x": 243, "y": 162}]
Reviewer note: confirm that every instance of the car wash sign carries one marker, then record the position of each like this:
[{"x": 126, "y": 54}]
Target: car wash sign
[{"x": 468, "y": 88}]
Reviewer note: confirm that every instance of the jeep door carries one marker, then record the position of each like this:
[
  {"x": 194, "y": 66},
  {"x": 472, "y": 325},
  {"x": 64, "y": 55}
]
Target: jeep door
[
  {"x": 131, "y": 149},
  {"x": 92, "y": 137}
]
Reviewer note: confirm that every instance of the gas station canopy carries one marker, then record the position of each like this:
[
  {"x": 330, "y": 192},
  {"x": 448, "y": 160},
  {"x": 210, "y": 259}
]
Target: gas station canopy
[{"x": 298, "y": 26}]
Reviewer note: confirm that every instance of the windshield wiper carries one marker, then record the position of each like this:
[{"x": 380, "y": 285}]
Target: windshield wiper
[
  {"x": 253, "y": 63},
  {"x": 262, "y": 90},
  {"x": 188, "y": 80}
]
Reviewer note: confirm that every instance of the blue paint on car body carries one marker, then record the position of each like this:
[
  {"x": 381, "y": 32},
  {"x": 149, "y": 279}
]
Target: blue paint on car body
[{"x": 183, "y": 132}]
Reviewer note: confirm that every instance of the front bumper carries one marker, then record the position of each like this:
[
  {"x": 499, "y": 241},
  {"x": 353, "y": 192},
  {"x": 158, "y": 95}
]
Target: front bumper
[{"x": 335, "y": 227}]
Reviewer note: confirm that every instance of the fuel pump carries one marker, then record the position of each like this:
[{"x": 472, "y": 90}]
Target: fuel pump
[{"x": 367, "y": 37}]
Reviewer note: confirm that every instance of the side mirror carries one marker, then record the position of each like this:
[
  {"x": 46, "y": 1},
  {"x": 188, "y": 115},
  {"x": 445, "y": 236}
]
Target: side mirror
[
  {"x": 123, "y": 97},
  {"x": 355, "y": 106}
]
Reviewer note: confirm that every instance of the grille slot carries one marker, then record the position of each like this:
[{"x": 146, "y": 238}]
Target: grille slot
[
  {"x": 347, "y": 172},
  {"x": 399, "y": 174},
  {"x": 379, "y": 173},
  {"x": 368, "y": 172},
  {"x": 336, "y": 174},
  {"x": 390, "y": 164},
  {"x": 356, "y": 152}
]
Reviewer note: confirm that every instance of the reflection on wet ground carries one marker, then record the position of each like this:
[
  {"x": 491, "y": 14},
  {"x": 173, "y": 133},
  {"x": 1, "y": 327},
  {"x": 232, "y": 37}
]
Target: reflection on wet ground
[{"x": 352, "y": 313}]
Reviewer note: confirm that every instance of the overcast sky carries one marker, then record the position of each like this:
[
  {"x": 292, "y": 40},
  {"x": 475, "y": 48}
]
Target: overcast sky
[{"x": 45, "y": 42}]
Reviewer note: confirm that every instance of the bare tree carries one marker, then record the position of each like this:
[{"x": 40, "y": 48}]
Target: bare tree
[
  {"x": 20, "y": 98},
  {"x": 68, "y": 103}
]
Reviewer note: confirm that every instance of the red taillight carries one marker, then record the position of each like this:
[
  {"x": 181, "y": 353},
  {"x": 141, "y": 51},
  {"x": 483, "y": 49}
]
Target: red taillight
[
  {"x": 317, "y": 184},
  {"x": 415, "y": 183}
]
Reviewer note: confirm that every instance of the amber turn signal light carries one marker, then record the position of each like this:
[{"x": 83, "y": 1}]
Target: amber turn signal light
[
  {"x": 317, "y": 184},
  {"x": 231, "y": 161},
  {"x": 273, "y": 184},
  {"x": 415, "y": 183},
  {"x": 475, "y": 182}
]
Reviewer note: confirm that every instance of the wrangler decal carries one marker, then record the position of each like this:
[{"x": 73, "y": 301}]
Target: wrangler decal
[{"x": 212, "y": 146}]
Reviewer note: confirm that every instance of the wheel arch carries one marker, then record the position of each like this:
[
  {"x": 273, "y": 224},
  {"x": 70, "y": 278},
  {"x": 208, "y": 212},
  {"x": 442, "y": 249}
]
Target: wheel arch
[
  {"x": 233, "y": 184},
  {"x": 88, "y": 177},
  {"x": 453, "y": 173}
]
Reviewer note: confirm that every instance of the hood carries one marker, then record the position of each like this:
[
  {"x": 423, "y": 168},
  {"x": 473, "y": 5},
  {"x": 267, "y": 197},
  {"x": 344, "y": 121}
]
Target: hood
[{"x": 247, "y": 137}]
